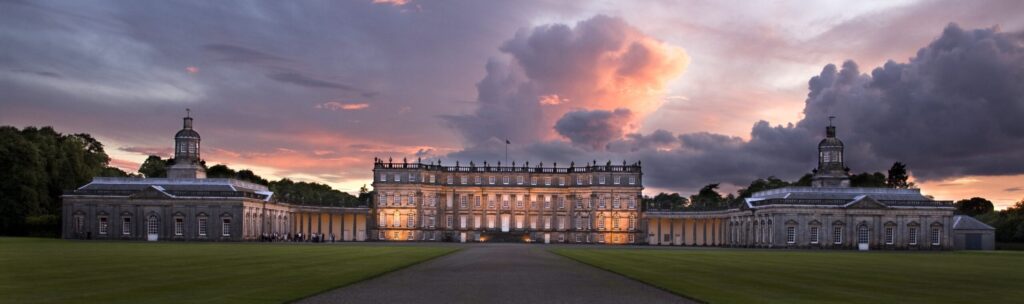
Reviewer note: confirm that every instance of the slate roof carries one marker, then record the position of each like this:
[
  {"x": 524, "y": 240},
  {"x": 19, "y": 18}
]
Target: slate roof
[
  {"x": 842, "y": 196},
  {"x": 178, "y": 187},
  {"x": 965, "y": 222}
]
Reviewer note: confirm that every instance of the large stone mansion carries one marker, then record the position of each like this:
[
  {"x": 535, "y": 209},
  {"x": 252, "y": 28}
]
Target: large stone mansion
[{"x": 591, "y": 203}]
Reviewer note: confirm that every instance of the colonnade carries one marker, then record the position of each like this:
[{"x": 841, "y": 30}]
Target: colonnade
[
  {"x": 683, "y": 230},
  {"x": 344, "y": 225}
]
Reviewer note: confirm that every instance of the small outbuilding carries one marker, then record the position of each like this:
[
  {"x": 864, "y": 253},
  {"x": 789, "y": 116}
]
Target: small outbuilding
[{"x": 971, "y": 234}]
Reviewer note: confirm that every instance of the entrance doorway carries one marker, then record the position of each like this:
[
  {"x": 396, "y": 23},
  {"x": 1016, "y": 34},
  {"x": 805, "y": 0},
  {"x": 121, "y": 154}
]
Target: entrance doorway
[{"x": 152, "y": 228}]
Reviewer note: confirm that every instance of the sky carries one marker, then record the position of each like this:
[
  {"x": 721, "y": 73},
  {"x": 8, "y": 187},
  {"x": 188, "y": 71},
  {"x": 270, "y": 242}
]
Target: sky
[{"x": 700, "y": 92}]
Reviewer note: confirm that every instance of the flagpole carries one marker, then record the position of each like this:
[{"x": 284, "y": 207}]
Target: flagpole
[{"x": 506, "y": 151}]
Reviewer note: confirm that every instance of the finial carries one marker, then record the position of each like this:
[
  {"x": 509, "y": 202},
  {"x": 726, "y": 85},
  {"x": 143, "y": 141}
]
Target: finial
[
  {"x": 188, "y": 112},
  {"x": 830, "y": 118}
]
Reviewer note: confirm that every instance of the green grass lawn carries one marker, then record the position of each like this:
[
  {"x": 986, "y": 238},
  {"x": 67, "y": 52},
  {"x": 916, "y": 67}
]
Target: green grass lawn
[
  {"x": 60, "y": 271},
  {"x": 777, "y": 276}
]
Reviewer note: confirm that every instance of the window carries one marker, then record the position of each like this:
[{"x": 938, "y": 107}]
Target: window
[
  {"x": 449, "y": 221},
  {"x": 862, "y": 235},
  {"x": 225, "y": 227},
  {"x": 579, "y": 223},
  {"x": 464, "y": 202},
  {"x": 179, "y": 226},
  {"x": 561, "y": 181},
  {"x": 600, "y": 222},
  {"x": 490, "y": 221},
  {"x": 814, "y": 235},
  {"x": 464, "y": 179},
  {"x": 490, "y": 203},
  {"x": 504, "y": 180},
  {"x": 383, "y": 177},
  {"x": 126, "y": 225},
  {"x": 412, "y": 177},
  {"x": 615, "y": 222},
  {"x": 889, "y": 235},
  {"x": 490, "y": 180},
  {"x": 601, "y": 202},
  {"x": 412, "y": 199},
  {"x": 590, "y": 179},
  {"x": 936, "y": 233},
  {"x": 477, "y": 179},
  {"x": 579, "y": 238},
  {"x": 600, "y": 179},
  {"x": 533, "y": 181},
  {"x": 79, "y": 223},
  {"x": 398, "y": 177},
  {"x": 202, "y": 226},
  {"x": 632, "y": 222},
  {"x": 519, "y": 180},
  {"x": 519, "y": 203},
  {"x": 632, "y": 238},
  {"x": 153, "y": 225},
  {"x": 579, "y": 203},
  {"x": 912, "y": 239},
  {"x": 632, "y": 203},
  {"x": 579, "y": 181},
  {"x": 615, "y": 203},
  {"x": 410, "y": 221},
  {"x": 561, "y": 203},
  {"x": 477, "y": 202},
  {"x": 547, "y": 202},
  {"x": 432, "y": 179},
  {"x": 632, "y": 180},
  {"x": 476, "y": 221},
  {"x": 561, "y": 223},
  {"x": 790, "y": 235},
  {"x": 450, "y": 179},
  {"x": 504, "y": 202},
  {"x": 463, "y": 221},
  {"x": 837, "y": 235},
  {"x": 519, "y": 221},
  {"x": 547, "y": 181},
  {"x": 617, "y": 179},
  {"x": 547, "y": 222},
  {"x": 104, "y": 225},
  {"x": 397, "y": 219}
]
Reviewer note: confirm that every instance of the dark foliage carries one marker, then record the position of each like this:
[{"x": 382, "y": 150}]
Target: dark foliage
[{"x": 974, "y": 206}]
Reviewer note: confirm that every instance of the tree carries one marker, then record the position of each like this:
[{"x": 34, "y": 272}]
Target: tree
[
  {"x": 115, "y": 172},
  {"x": 666, "y": 201},
  {"x": 868, "y": 180},
  {"x": 707, "y": 197},
  {"x": 154, "y": 166},
  {"x": 761, "y": 185},
  {"x": 220, "y": 171},
  {"x": 804, "y": 181},
  {"x": 974, "y": 206},
  {"x": 898, "y": 177}
]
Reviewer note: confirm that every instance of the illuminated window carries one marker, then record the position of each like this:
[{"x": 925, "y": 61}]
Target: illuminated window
[
  {"x": 464, "y": 202},
  {"x": 561, "y": 181},
  {"x": 410, "y": 220},
  {"x": 547, "y": 181},
  {"x": 432, "y": 179},
  {"x": 464, "y": 180}
]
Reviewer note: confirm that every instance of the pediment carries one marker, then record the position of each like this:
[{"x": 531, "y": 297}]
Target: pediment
[
  {"x": 865, "y": 202},
  {"x": 152, "y": 192}
]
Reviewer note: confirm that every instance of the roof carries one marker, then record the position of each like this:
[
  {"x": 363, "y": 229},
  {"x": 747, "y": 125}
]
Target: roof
[
  {"x": 843, "y": 197},
  {"x": 177, "y": 187},
  {"x": 966, "y": 222},
  {"x": 187, "y": 133}
]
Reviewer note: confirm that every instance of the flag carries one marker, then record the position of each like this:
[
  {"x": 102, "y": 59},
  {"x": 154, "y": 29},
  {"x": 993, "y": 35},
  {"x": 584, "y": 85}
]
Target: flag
[{"x": 507, "y": 142}]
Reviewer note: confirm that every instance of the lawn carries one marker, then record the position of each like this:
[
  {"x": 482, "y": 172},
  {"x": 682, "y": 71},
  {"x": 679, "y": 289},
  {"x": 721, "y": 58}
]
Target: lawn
[
  {"x": 778, "y": 276},
  {"x": 60, "y": 271}
]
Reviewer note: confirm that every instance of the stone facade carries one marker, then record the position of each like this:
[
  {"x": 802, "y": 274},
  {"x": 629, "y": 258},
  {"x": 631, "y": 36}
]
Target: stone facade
[
  {"x": 576, "y": 204},
  {"x": 829, "y": 214}
]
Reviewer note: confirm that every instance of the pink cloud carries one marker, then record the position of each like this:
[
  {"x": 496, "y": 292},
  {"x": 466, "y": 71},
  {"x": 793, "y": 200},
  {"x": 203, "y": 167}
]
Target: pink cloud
[{"x": 335, "y": 106}]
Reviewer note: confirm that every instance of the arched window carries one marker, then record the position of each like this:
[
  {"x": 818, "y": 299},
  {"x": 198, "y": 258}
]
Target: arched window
[{"x": 152, "y": 224}]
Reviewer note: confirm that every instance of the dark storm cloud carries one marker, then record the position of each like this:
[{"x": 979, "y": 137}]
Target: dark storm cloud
[
  {"x": 306, "y": 81},
  {"x": 954, "y": 109},
  {"x": 595, "y": 128},
  {"x": 234, "y": 53}
]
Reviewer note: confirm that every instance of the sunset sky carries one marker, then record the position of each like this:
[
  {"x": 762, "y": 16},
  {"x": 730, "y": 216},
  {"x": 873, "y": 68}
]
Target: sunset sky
[{"x": 699, "y": 91}]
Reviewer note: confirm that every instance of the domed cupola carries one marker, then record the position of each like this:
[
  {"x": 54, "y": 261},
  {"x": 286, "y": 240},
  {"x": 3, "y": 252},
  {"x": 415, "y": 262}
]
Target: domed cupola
[
  {"x": 187, "y": 161},
  {"x": 831, "y": 171}
]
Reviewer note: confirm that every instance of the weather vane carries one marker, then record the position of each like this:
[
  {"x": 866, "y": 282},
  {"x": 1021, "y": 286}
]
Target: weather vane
[
  {"x": 830, "y": 118},
  {"x": 188, "y": 112}
]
